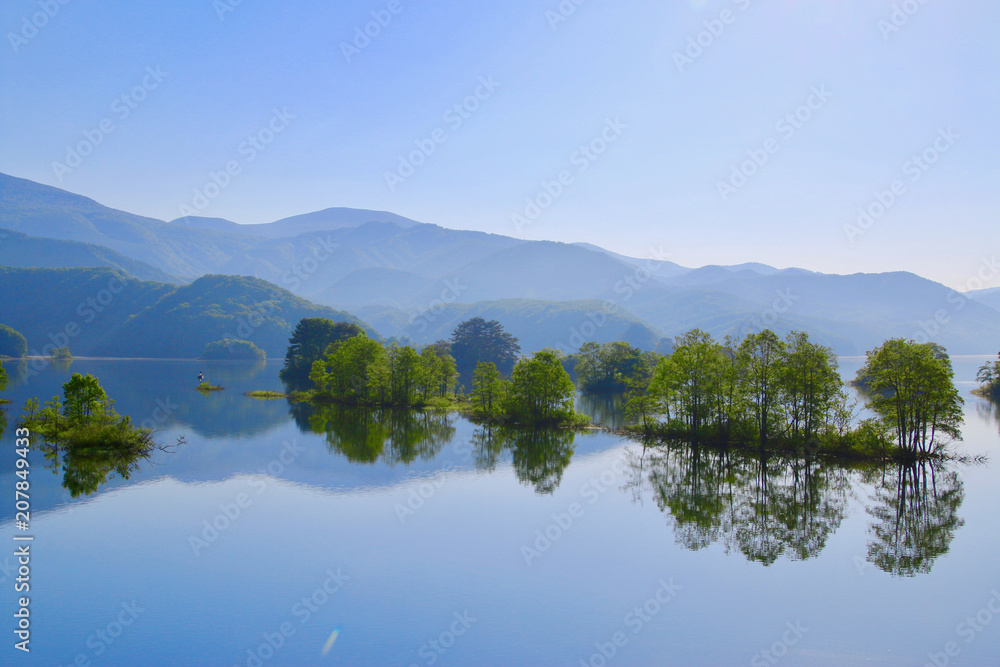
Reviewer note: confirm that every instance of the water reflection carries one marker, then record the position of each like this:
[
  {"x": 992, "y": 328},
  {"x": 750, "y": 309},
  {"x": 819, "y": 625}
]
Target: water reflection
[
  {"x": 372, "y": 435},
  {"x": 915, "y": 514},
  {"x": 539, "y": 457},
  {"x": 764, "y": 508},
  {"x": 86, "y": 468},
  {"x": 606, "y": 410},
  {"x": 368, "y": 435},
  {"x": 989, "y": 410},
  {"x": 769, "y": 508}
]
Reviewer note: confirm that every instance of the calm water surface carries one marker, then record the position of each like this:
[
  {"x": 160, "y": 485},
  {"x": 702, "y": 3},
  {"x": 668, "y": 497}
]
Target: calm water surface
[{"x": 273, "y": 531}]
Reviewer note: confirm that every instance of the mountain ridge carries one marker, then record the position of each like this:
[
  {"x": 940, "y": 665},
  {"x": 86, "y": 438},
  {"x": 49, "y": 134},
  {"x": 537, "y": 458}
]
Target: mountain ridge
[{"x": 391, "y": 266}]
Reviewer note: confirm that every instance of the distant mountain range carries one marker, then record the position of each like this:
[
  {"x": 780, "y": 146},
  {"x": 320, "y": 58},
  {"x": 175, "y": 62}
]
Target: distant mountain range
[{"x": 418, "y": 280}]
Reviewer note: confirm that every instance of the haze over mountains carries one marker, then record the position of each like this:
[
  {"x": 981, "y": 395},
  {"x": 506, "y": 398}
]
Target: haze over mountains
[{"x": 407, "y": 278}]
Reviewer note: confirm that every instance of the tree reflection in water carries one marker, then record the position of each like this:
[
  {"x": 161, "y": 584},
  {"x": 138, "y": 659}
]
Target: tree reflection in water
[
  {"x": 768, "y": 508},
  {"x": 85, "y": 467},
  {"x": 539, "y": 456},
  {"x": 989, "y": 410},
  {"x": 368, "y": 435},
  {"x": 915, "y": 514},
  {"x": 606, "y": 410},
  {"x": 764, "y": 508}
]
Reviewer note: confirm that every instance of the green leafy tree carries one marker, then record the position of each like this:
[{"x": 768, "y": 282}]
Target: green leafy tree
[
  {"x": 83, "y": 398},
  {"x": 989, "y": 379},
  {"x": 310, "y": 341},
  {"x": 541, "y": 391},
  {"x": 641, "y": 405},
  {"x": 488, "y": 390},
  {"x": 687, "y": 381},
  {"x": 404, "y": 375},
  {"x": 477, "y": 340},
  {"x": 811, "y": 384},
  {"x": 12, "y": 343},
  {"x": 3, "y": 378},
  {"x": 437, "y": 372},
  {"x": 606, "y": 367},
  {"x": 763, "y": 356},
  {"x": 913, "y": 392},
  {"x": 352, "y": 370}
]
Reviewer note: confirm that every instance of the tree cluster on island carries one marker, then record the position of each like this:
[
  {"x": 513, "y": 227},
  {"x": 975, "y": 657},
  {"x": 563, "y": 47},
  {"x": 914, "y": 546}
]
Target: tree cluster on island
[
  {"x": 989, "y": 380},
  {"x": 12, "y": 343},
  {"x": 761, "y": 392},
  {"x": 84, "y": 416},
  {"x": 346, "y": 366},
  {"x": 772, "y": 394}
]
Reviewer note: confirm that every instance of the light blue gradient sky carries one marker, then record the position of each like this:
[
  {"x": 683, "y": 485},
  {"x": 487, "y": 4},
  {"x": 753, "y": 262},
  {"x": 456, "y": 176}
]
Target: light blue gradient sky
[{"x": 654, "y": 187}]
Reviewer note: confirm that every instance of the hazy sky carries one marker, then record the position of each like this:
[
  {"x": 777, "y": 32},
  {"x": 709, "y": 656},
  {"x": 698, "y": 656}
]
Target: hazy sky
[{"x": 830, "y": 100}]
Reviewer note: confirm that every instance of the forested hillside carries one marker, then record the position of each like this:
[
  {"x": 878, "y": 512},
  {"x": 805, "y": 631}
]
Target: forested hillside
[{"x": 104, "y": 312}]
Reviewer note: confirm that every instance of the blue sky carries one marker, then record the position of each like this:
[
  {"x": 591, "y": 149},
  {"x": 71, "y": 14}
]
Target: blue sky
[{"x": 666, "y": 122}]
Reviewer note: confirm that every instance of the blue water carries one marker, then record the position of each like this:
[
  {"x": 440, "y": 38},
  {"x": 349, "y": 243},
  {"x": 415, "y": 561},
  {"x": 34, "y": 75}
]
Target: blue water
[{"x": 444, "y": 560}]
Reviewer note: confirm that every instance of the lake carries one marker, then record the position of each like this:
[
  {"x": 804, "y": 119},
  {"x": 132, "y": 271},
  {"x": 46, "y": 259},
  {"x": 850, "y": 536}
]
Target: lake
[{"x": 277, "y": 535}]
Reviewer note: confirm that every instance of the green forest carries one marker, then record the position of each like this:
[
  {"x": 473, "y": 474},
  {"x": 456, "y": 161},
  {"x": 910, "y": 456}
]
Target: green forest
[{"x": 104, "y": 312}]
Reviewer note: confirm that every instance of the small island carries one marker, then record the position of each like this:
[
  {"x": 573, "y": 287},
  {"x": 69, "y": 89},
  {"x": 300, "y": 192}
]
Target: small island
[
  {"x": 266, "y": 395},
  {"x": 989, "y": 379},
  {"x": 354, "y": 369},
  {"x": 784, "y": 396},
  {"x": 205, "y": 386},
  {"x": 85, "y": 417}
]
